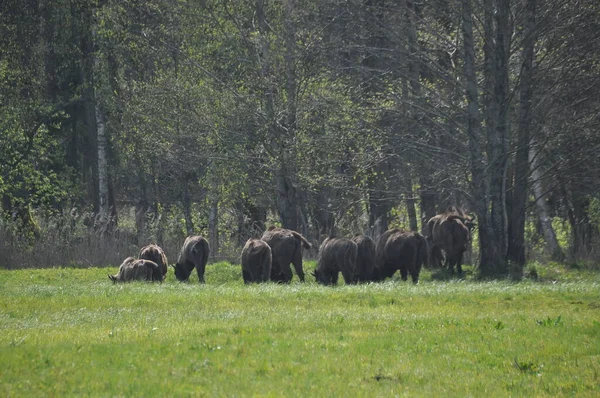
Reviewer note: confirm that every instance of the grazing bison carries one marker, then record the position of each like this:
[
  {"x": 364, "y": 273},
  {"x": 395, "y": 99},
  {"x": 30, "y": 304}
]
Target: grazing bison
[
  {"x": 450, "y": 233},
  {"x": 365, "y": 261},
  {"x": 404, "y": 251},
  {"x": 256, "y": 261},
  {"x": 336, "y": 255},
  {"x": 286, "y": 247},
  {"x": 193, "y": 254},
  {"x": 137, "y": 270},
  {"x": 155, "y": 253}
]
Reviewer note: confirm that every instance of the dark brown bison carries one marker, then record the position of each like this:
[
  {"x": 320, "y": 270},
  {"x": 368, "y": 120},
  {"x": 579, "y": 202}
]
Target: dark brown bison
[
  {"x": 365, "y": 261},
  {"x": 155, "y": 253},
  {"x": 256, "y": 261},
  {"x": 404, "y": 251},
  {"x": 137, "y": 270},
  {"x": 336, "y": 255},
  {"x": 286, "y": 247},
  {"x": 450, "y": 234},
  {"x": 193, "y": 254}
]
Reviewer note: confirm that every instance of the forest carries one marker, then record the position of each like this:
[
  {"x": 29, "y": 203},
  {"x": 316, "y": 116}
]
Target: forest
[{"x": 129, "y": 122}]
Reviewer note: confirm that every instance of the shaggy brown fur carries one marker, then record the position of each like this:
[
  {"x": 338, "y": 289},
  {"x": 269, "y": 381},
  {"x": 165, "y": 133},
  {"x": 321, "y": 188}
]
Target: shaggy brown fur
[
  {"x": 365, "y": 261},
  {"x": 157, "y": 254},
  {"x": 450, "y": 233},
  {"x": 404, "y": 251},
  {"x": 256, "y": 261},
  {"x": 286, "y": 247},
  {"x": 336, "y": 255},
  {"x": 137, "y": 270},
  {"x": 193, "y": 254}
]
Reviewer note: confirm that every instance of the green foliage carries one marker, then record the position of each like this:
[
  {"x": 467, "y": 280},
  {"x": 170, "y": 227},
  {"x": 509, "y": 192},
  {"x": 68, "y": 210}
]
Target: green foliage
[
  {"x": 562, "y": 230},
  {"x": 593, "y": 211},
  {"x": 550, "y": 321}
]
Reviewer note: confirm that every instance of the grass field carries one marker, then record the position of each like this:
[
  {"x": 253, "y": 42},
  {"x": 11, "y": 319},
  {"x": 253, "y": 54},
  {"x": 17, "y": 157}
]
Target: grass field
[{"x": 71, "y": 332}]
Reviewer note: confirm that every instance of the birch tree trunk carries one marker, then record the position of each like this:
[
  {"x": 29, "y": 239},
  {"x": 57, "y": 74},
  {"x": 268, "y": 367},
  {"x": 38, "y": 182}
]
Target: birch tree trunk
[
  {"x": 103, "y": 216},
  {"x": 102, "y": 143}
]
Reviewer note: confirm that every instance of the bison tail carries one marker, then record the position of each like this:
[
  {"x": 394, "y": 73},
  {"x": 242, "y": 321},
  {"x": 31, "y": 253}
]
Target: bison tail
[
  {"x": 423, "y": 252},
  {"x": 306, "y": 244}
]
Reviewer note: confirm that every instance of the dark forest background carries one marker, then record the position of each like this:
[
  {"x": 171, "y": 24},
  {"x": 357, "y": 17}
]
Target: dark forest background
[{"x": 128, "y": 122}]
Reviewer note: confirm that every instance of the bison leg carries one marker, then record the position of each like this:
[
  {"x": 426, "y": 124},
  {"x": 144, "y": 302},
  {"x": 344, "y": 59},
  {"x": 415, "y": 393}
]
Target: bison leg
[
  {"x": 459, "y": 263},
  {"x": 247, "y": 277},
  {"x": 450, "y": 264},
  {"x": 200, "y": 270},
  {"x": 334, "y": 277},
  {"x": 414, "y": 273},
  {"x": 266, "y": 272},
  {"x": 403, "y": 272},
  {"x": 297, "y": 261},
  {"x": 348, "y": 275},
  {"x": 286, "y": 273},
  {"x": 436, "y": 257}
]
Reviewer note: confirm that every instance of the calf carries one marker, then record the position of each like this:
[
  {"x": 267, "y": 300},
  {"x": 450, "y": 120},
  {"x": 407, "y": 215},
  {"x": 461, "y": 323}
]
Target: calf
[{"x": 137, "y": 270}]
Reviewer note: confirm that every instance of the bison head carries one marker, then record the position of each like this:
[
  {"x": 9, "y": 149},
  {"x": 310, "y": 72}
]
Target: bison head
[{"x": 182, "y": 273}]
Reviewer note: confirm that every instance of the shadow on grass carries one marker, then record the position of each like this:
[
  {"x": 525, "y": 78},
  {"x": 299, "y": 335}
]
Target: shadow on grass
[{"x": 444, "y": 274}]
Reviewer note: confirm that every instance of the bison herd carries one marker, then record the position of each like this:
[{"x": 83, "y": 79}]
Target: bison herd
[{"x": 358, "y": 259}]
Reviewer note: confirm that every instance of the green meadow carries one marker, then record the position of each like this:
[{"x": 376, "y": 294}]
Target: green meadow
[{"x": 71, "y": 332}]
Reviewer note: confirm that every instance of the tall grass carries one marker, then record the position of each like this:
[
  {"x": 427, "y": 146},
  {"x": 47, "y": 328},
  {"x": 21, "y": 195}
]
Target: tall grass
[{"x": 71, "y": 332}]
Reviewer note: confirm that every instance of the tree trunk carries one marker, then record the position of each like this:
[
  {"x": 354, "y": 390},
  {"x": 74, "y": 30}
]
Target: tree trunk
[
  {"x": 286, "y": 199},
  {"x": 498, "y": 137},
  {"x": 516, "y": 249},
  {"x": 427, "y": 191},
  {"x": 552, "y": 245},
  {"x": 428, "y": 209},
  {"x": 186, "y": 201},
  {"x": 479, "y": 186},
  {"x": 213, "y": 226},
  {"x": 102, "y": 141},
  {"x": 516, "y": 243},
  {"x": 282, "y": 137},
  {"x": 378, "y": 212},
  {"x": 410, "y": 205}
]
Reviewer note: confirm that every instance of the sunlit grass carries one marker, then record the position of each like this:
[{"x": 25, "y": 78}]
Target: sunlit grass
[{"x": 72, "y": 332}]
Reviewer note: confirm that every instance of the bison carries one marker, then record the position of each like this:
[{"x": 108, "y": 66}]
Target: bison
[
  {"x": 365, "y": 261},
  {"x": 450, "y": 233},
  {"x": 256, "y": 261},
  {"x": 137, "y": 270},
  {"x": 404, "y": 251},
  {"x": 336, "y": 255},
  {"x": 193, "y": 254},
  {"x": 155, "y": 253},
  {"x": 286, "y": 247}
]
